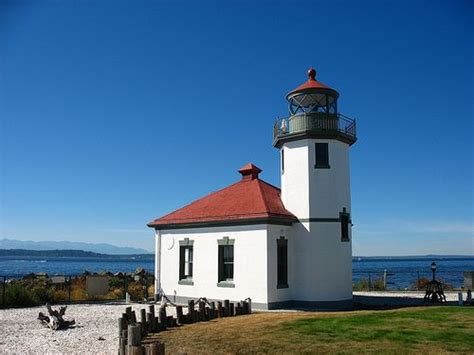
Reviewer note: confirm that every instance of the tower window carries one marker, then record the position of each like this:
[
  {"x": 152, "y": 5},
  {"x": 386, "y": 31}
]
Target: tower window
[
  {"x": 322, "y": 156},
  {"x": 282, "y": 262},
  {"x": 345, "y": 220},
  {"x": 282, "y": 160}
]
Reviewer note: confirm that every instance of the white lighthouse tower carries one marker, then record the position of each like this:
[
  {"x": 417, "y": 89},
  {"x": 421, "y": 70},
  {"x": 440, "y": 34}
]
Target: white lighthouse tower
[{"x": 314, "y": 147}]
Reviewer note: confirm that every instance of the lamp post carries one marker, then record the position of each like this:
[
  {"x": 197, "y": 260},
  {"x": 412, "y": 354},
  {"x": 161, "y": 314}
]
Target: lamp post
[{"x": 433, "y": 269}]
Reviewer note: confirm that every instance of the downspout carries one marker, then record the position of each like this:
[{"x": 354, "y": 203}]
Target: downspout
[{"x": 158, "y": 291}]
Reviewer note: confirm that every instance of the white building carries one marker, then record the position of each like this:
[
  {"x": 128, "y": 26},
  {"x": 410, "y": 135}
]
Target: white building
[{"x": 282, "y": 248}]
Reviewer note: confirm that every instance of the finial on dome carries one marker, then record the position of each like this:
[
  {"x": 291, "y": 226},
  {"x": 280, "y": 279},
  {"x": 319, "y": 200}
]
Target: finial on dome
[{"x": 312, "y": 74}]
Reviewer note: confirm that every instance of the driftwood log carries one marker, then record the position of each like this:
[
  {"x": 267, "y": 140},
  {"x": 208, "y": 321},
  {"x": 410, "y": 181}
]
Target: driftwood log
[{"x": 55, "y": 319}]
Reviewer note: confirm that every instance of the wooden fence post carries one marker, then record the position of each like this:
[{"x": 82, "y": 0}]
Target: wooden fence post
[
  {"x": 143, "y": 321},
  {"x": 179, "y": 315},
  {"x": 219, "y": 309},
  {"x": 162, "y": 318},
  {"x": 191, "y": 311}
]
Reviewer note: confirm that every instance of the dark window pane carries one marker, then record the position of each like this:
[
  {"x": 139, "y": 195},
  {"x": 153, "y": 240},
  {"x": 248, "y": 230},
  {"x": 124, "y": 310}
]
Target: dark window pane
[
  {"x": 282, "y": 262},
  {"x": 226, "y": 262},
  {"x": 322, "y": 155}
]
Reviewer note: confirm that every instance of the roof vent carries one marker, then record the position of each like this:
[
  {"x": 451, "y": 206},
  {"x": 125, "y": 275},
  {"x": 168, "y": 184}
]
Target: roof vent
[{"x": 250, "y": 172}]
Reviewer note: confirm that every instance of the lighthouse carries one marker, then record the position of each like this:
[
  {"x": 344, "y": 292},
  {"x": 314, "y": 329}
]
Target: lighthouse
[
  {"x": 279, "y": 247},
  {"x": 314, "y": 143}
]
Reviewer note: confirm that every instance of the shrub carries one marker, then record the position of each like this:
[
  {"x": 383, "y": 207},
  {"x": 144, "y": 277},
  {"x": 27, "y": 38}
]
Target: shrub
[
  {"x": 136, "y": 291},
  {"x": 60, "y": 295},
  {"x": 18, "y": 296},
  {"x": 41, "y": 294},
  {"x": 367, "y": 285}
]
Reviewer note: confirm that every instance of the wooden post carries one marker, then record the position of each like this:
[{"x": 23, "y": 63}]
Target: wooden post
[
  {"x": 156, "y": 348},
  {"x": 151, "y": 309},
  {"x": 162, "y": 318},
  {"x": 179, "y": 315},
  {"x": 238, "y": 310},
  {"x": 128, "y": 311},
  {"x": 134, "y": 317},
  {"x": 219, "y": 309},
  {"x": 135, "y": 350},
  {"x": 151, "y": 322},
  {"x": 246, "y": 307},
  {"x": 226, "y": 308},
  {"x": 134, "y": 335},
  {"x": 231, "y": 309},
  {"x": 191, "y": 311},
  {"x": 143, "y": 321},
  {"x": 213, "y": 310},
  {"x": 202, "y": 311},
  {"x": 123, "y": 342}
]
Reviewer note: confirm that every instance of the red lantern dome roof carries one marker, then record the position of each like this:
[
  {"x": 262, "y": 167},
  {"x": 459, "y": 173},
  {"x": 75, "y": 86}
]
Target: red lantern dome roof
[{"x": 312, "y": 85}]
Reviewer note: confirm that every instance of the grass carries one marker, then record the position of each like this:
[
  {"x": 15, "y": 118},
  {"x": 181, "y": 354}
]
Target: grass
[{"x": 422, "y": 329}]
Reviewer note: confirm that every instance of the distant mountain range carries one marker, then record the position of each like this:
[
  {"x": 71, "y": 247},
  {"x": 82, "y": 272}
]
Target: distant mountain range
[{"x": 101, "y": 248}]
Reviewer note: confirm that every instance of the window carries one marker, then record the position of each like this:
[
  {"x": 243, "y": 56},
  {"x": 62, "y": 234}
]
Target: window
[
  {"x": 345, "y": 220},
  {"x": 186, "y": 262},
  {"x": 282, "y": 262},
  {"x": 225, "y": 262},
  {"x": 282, "y": 160},
  {"x": 322, "y": 156}
]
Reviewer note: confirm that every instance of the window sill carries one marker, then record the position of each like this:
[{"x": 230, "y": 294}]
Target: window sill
[
  {"x": 186, "y": 282},
  {"x": 226, "y": 284},
  {"x": 322, "y": 166},
  {"x": 283, "y": 286}
]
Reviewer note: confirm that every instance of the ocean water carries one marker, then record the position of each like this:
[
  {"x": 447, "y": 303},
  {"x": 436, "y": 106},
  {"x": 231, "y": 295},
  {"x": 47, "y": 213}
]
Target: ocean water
[{"x": 401, "y": 272}]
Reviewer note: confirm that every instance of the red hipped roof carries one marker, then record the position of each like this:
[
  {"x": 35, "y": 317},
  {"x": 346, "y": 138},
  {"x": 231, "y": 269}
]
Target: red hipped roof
[{"x": 248, "y": 200}]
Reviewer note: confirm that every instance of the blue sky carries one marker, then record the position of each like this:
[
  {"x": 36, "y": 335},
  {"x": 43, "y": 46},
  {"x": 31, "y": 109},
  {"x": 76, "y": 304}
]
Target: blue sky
[{"x": 116, "y": 112}]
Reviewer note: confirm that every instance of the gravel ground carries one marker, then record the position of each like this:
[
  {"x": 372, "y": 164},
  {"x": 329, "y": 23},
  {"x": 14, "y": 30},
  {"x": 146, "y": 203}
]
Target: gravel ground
[{"x": 22, "y": 333}]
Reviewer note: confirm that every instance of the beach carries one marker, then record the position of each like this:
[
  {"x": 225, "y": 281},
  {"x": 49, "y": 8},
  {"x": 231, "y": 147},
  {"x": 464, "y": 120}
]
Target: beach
[{"x": 96, "y": 330}]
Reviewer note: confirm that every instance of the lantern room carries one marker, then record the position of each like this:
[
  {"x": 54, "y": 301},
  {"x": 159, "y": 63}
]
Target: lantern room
[
  {"x": 312, "y": 96},
  {"x": 314, "y": 113}
]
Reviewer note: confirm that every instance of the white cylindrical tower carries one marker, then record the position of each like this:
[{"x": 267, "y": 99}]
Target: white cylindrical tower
[{"x": 314, "y": 146}]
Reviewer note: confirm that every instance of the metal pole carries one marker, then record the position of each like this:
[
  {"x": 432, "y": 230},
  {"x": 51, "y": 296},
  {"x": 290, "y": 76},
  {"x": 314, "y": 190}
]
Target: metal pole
[
  {"x": 4, "y": 291},
  {"x": 69, "y": 288}
]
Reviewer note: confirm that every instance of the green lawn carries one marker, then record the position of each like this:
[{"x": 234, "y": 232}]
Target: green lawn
[
  {"x": 431, "y": 330},
  {"x": 446, "y": 328}
]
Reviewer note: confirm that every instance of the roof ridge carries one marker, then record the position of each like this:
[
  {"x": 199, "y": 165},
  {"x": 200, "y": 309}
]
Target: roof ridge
[{"x": 262, "y": 195}]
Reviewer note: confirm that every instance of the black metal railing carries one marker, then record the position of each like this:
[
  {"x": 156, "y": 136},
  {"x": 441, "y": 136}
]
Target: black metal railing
[{"x": 315, "y": 122}]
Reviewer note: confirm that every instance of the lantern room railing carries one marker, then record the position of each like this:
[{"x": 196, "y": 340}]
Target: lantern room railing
[{"x": 318, "y": 122}]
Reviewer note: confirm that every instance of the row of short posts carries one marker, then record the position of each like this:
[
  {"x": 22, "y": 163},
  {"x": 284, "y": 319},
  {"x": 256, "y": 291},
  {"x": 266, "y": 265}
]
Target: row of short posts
[
  {"x": 132, "y": 331},
  {"x": 212, "y": 310}
]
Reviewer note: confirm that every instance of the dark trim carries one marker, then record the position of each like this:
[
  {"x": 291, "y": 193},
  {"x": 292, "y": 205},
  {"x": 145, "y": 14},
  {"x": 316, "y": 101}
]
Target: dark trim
[
  {"x": 186, "y": 242},
  {"x": 311, "y": 305},
  {"x": 283, "y": 286},
  {"x": 316, "y": 166},
  {"x": 229, "y": 284},
  {"x": 284, "y": 221},
  {"x": 291, "y": 304},
  {"x": 329, "y": 134},
  {"x": 187, "y": 282},
  {"x": 225, "y": 241},
  {"x": 320, "y": 220}
]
